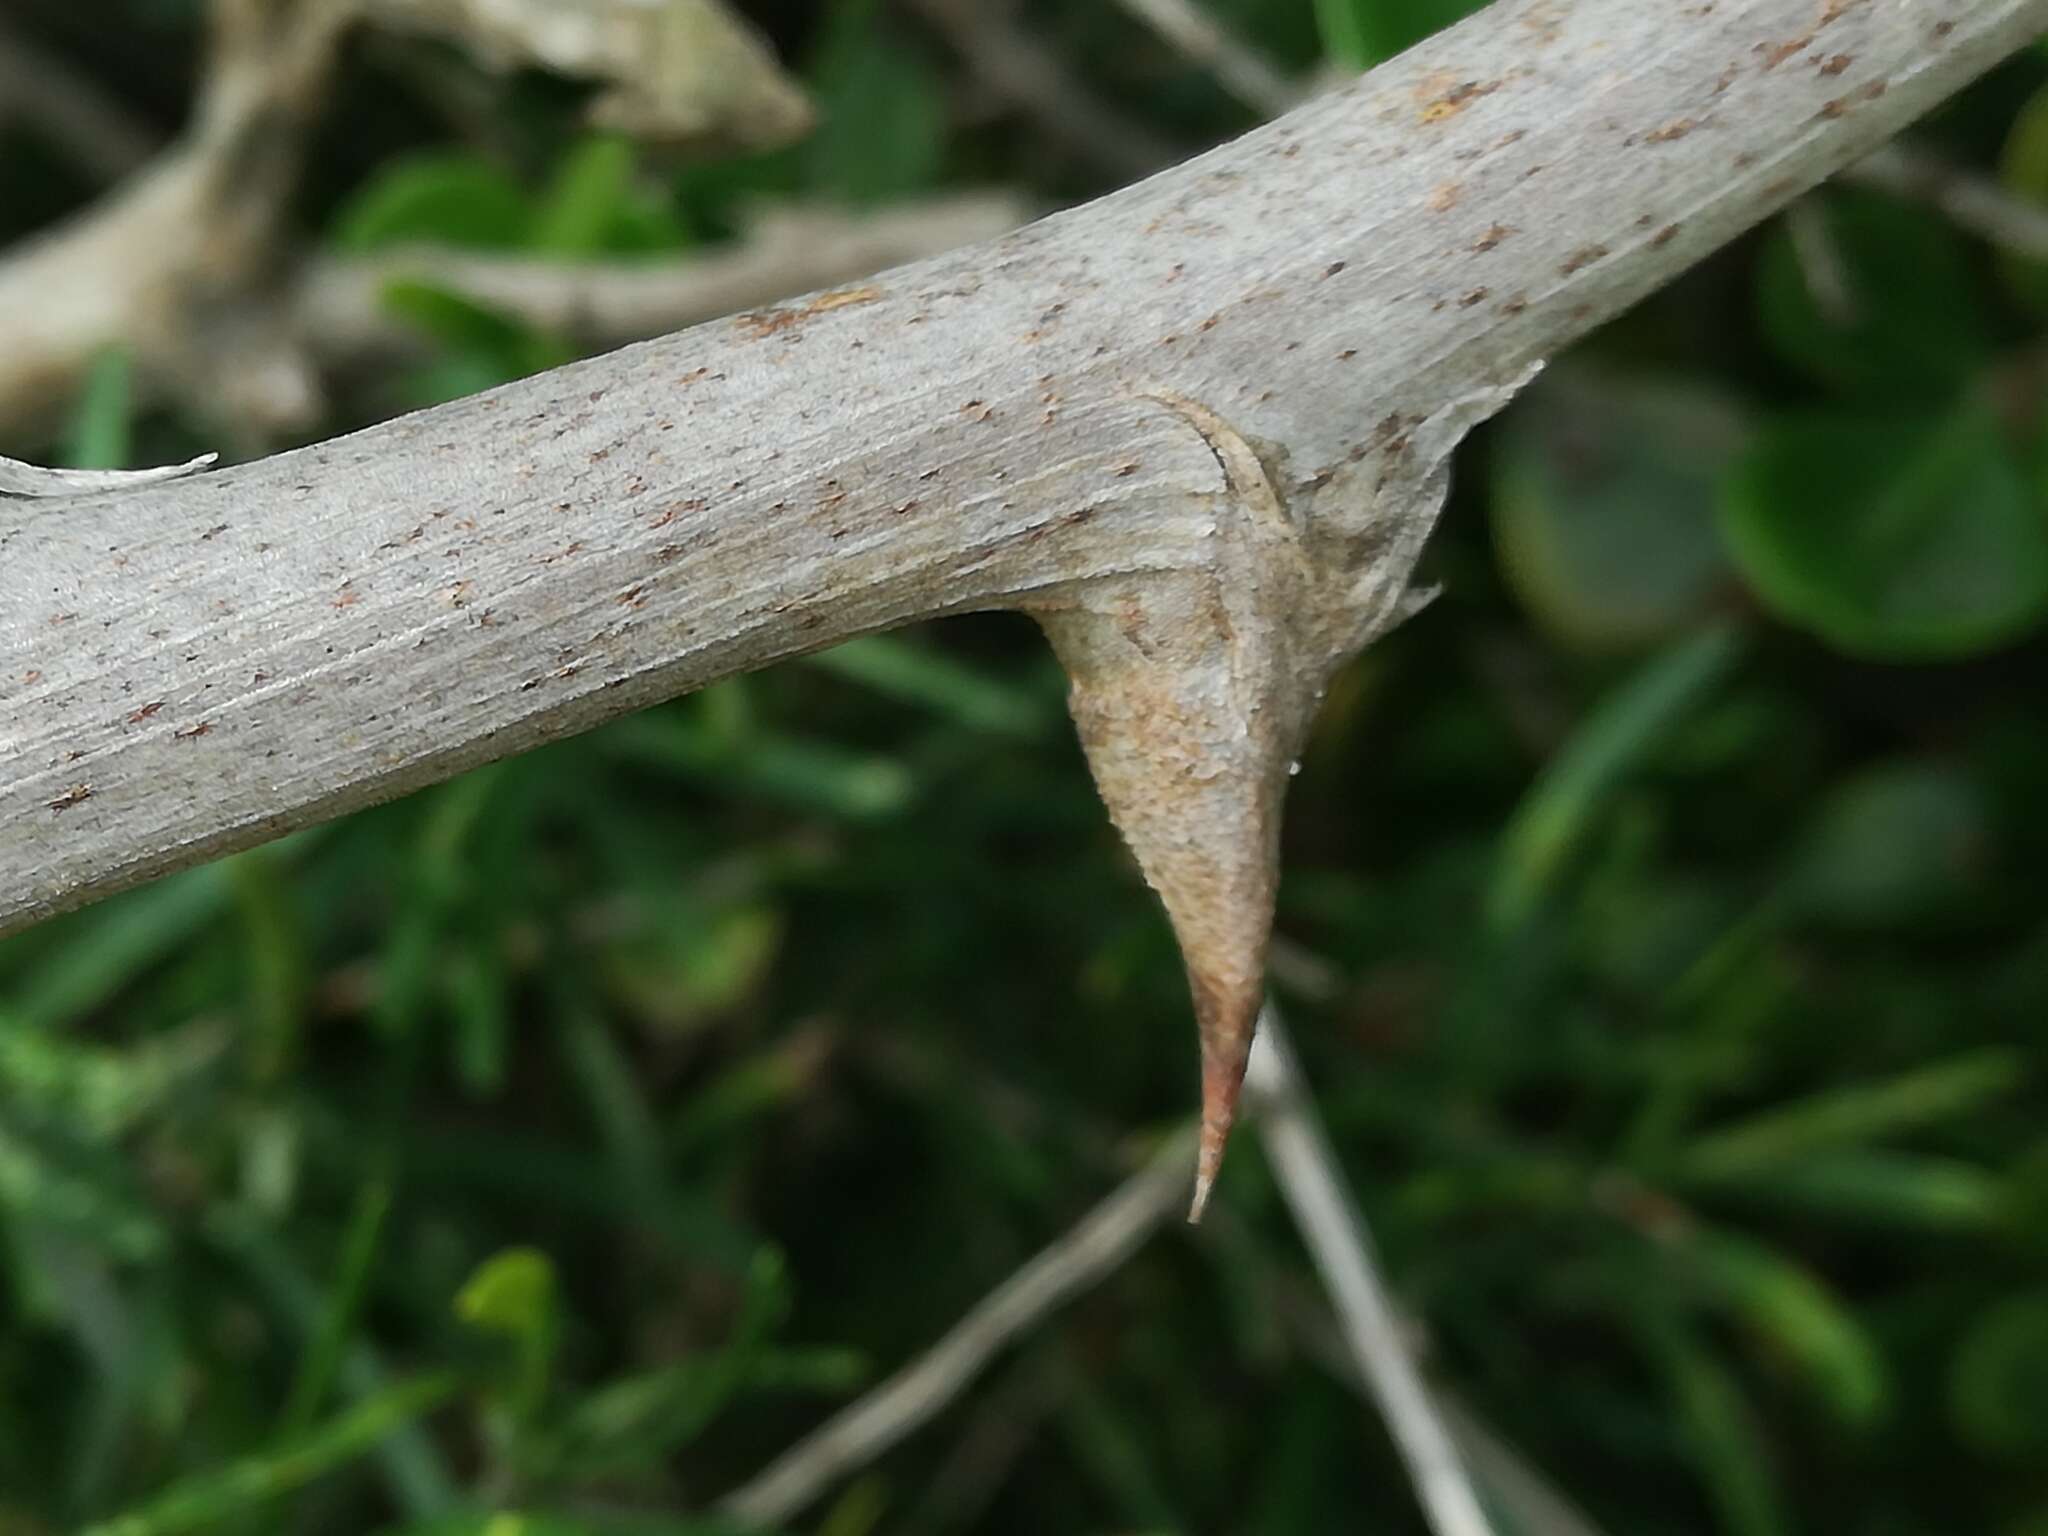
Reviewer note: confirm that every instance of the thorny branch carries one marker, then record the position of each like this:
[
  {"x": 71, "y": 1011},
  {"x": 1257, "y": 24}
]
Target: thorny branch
[{"x": 194, "y": 666}]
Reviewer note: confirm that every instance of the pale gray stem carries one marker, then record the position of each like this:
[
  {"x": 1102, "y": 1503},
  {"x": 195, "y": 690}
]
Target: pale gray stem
[
  {"x": 1313, "y": 1186},
  {"x": 196, "y": 666}
]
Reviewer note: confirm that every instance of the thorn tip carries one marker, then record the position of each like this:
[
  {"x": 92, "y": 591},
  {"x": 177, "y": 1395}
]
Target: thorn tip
[
  {"x": 1205, "y": 1183},
  {"x": 1222, "y": 1082}
]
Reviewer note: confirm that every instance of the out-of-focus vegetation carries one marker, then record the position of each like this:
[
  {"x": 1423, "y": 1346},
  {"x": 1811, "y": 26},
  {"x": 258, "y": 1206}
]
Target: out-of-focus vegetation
[{"x": 1665, "y": 928}]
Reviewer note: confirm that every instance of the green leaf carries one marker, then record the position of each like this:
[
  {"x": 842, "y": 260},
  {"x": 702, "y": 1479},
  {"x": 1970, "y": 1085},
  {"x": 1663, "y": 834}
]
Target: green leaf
[
  {"x": 478, "y": 1004},
  {"x": 591, "y": 183},
  {"x": 1603, "y": 507},
  {"x": 99, "y": 1093},
  {"x": 2023, "y": 167},
  {"x": 812, "y": 775},
  {"x": 882, "y": 110},
  {"x": 511, "y": 1293},
  {"x": 1879, "y": 1189},
  {"x": 1726, "y": 1444},
  {"x": 1854, "y": 1113},
  {"x": 210, "y": 1500},
  {"x": 596, "y": 204},
  {"x": 109, "y": 947},
  {"x": 543, "y": 1522},
  {"x": 1358, "y": 34},
  {"x": 638, "y": 1421},
  {"x": 320, "y": 1365},
  {"x": 100, "y": 423},
  {"x": 439, "y": 199},
  {"x": 1998, "y": 1381},
  {"x": 1907, "y": 321},
  {"x": 1809, "y": 1326},
  {"x": 274, "y": 947},
  {"x": 924, "y": 675},
  {"x": 1893, "y": 846},
  {"x": 1897, "y": 540},
  {"x": 487, "y": 348},
  {"x": 1556, "y": 813},
  {"x": 81, "y": 1193}
]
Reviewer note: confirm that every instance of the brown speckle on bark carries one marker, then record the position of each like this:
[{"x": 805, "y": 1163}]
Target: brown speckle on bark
[
  {"x": 1443, "y": 96},
  {"x": 1495, "y": 233},
  {"x": 1582, "y": 258},
  {"x": 147, "y": 710},
  {"x": 769, "y": 322},
  {"x": 1774, "y": 54},
  {"x": 77, "y": 794}
]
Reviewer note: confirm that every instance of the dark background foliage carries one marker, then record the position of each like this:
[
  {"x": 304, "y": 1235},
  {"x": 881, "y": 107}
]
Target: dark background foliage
[{"x": 1664, "y": 928}]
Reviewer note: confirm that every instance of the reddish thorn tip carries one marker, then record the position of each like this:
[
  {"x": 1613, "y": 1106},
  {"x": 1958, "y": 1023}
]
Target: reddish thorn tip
[{"x": 1222, "y": 1081}]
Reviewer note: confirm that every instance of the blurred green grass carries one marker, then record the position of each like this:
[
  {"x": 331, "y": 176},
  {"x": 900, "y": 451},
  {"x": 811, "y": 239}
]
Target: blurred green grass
[{"x": 543, "y": 1153}]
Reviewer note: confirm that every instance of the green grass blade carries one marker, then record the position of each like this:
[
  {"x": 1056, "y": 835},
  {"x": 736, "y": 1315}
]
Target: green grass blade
[
  {"x": 320, "y": 1367},
  {"x": 100, "y": 436},
  {"x": 202, "y": 1502},
  {"x": 1857, "y": 1113},
  {"x": 1560, "y": 808}
]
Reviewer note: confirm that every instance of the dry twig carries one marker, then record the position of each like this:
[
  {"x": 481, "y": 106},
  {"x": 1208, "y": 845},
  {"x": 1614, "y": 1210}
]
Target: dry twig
[
  {"x": 1329, "y": 1222},
  {"x": 1242, "y": 71},
  {"x": 785, "y": 250},
  {"x": 72, "y": 111},
  {"x": 187, "y": 264},
  {"x": 1095, "y": 1247},
  {"x": 1016, "y": 66},
  {"x": 1975, "y": 203}
]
